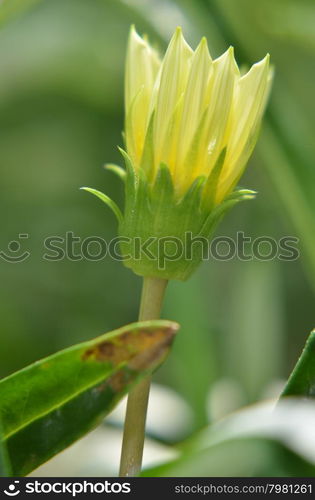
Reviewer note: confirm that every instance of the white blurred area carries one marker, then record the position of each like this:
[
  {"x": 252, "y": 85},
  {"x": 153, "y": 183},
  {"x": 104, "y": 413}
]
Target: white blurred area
[
  {"x": 169, "y": 416},
  {"x": 97, "y": 454},
  {"x": 290, "y": 421},
  {"x": 227, "y": 395}
]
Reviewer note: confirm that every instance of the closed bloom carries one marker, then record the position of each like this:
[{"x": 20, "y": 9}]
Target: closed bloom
[
  {"x": 188, "y": 109},
  {"x": 191, "y": 124}
]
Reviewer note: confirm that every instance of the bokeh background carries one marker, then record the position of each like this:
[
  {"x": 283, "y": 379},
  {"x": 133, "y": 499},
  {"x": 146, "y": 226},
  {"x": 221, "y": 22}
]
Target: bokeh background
[{"x": 244, "y": 323}]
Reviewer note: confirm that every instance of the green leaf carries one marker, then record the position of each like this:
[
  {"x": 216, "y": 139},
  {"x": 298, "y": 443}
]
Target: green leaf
[
  {"x": 53, "y": 402},
  {"x": 5, "y": 470},
  {"x": 246, "y": 457},
  {"x": 291, "y": 193},
  {"x": 107, "y": 200},
  {"x": 257, "y": 441},
  {"x": 302, "y": 380}
]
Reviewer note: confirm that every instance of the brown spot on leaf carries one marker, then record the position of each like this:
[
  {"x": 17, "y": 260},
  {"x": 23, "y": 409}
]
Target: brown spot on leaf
[
  {"x": 139, "y": 348},
  {"x": 149, "y": 355}
]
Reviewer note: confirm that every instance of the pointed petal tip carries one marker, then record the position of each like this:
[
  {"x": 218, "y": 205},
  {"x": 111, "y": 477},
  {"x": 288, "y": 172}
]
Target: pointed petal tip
[
  {"x": 264, "y": 61},
  {"x": 203, "y": 45},
  {"x": 227, "y": 55},
  {"x": 260, "y": 67},
  {"x": 135, "y": 39},
  {"x": 177, "y": 35},
  {"x": 227, "y": 60},
  {"x": 178, "y": 40},
  {"x": 133, "y": 32}
]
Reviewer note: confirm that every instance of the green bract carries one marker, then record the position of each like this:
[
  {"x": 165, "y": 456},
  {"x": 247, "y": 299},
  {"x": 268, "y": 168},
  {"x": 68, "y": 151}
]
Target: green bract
[
  {"x": 162, "y": 235},
  {"x": 165, "y": 236}
]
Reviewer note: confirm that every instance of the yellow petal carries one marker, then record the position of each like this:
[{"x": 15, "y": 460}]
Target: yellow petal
[
  {"x": 172, "y": 138},
  {"x": 195, "y": 101},
  {"x": 173, "y": 81},
  {"x": 142, "y": 65},
  {"x": 221, "y": 90},
  {"x": 250, "y": 100},
  {"x": 249, "y": 104}
]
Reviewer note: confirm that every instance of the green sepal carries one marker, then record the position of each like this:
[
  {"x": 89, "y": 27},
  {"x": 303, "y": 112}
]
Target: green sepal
[
  {"x": 211, "y": 184},
  {"x": 107, "y": 200},
  {"x": 162, "y": 195},
  {"x": 157, "y": 218},
  {"x": 130, "y": 184},
  {"x": 192, "y": 197},
  {"x": 117, "y": 170},
  {"x": 241, "y": 195}
]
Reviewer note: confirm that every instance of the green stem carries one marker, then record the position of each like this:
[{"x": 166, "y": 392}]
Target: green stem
[{"x": 134, "y": 430}]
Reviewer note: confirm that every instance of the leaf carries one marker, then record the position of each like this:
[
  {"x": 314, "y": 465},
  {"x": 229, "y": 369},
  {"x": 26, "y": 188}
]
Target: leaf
[
  {"x": 291, "y": 193},
  {"x": 246, "y": 457},
  {"x": 302, "y": 379},
  {"x": 4, "y": 462},
  {"x": 53, "y": 402},
  {"x": 107, "y": 200},
  {"x": 257, "y": 441}
]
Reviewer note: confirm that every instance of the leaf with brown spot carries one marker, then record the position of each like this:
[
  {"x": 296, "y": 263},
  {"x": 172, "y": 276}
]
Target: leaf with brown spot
[{"x": 50, "y": 404}]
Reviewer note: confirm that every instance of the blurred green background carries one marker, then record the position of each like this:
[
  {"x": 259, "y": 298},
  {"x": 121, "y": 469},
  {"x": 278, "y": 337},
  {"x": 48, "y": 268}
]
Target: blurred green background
[{"x": 244, "y": 323}]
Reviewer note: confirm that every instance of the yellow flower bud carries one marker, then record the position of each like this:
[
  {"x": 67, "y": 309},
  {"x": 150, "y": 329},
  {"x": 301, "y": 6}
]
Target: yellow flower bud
[{"x": 191, "y": 124}]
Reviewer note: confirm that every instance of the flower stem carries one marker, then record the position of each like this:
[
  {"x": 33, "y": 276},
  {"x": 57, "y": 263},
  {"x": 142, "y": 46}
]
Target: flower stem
[{"x": 134, "y": 430}]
